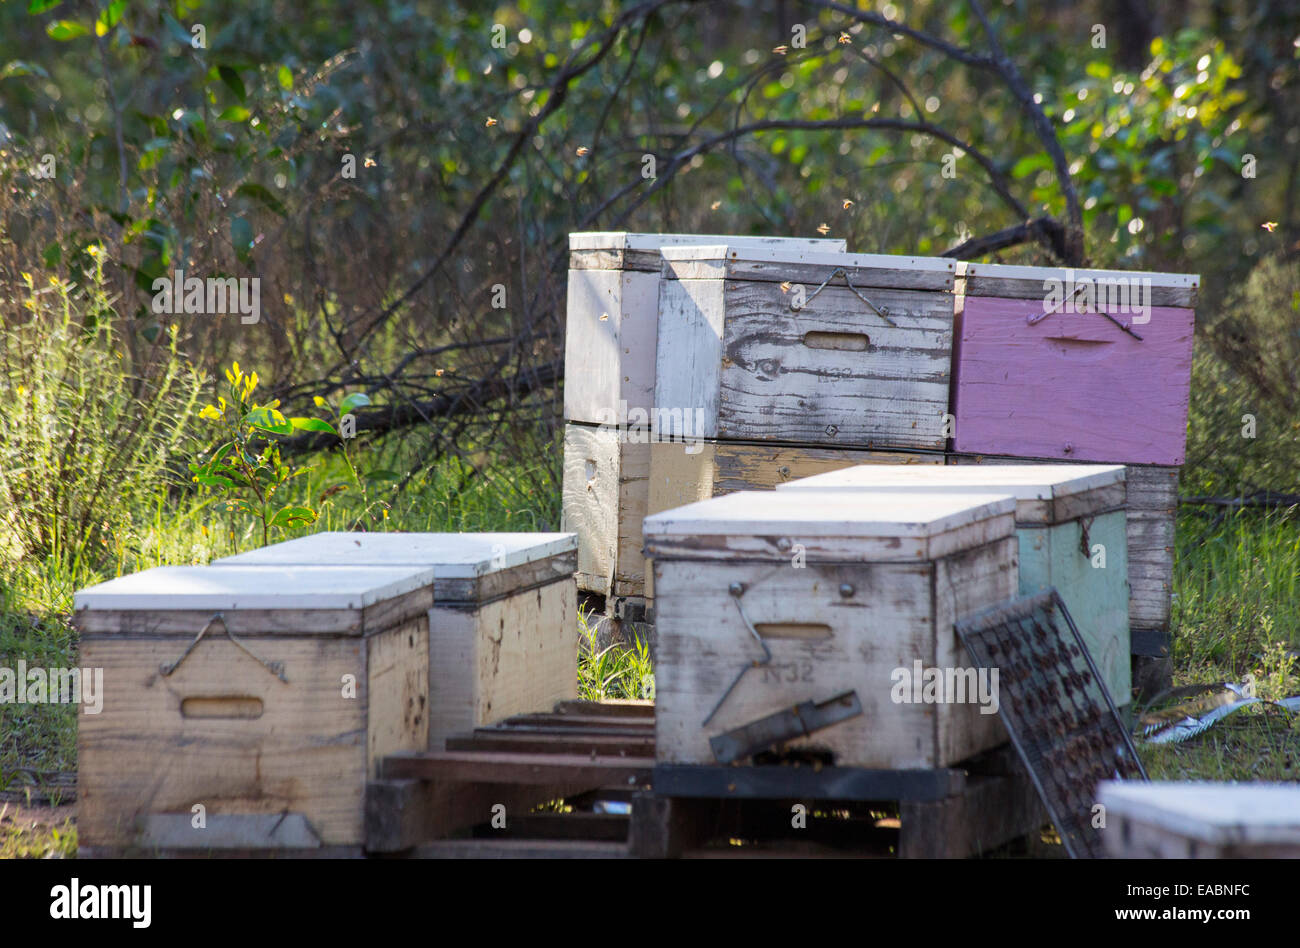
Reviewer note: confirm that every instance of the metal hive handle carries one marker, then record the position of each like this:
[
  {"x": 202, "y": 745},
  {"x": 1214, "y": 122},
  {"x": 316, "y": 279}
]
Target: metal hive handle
[
  {"x": 882, "y": 312},
  {"x": 275, "y": 668}
]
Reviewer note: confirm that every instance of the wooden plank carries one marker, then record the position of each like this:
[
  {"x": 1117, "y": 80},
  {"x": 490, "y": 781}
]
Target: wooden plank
[
  {"x": 1031, "y": 283},
  {"x": 609, "y": 707},
  {"x": 397, "y": 815},
  {"x": 664, "y": 827},
  {"x": 520, "y": 849},
  {"x": 602, "y": 746},
  {"x": 590, "y": 502},
  {"x": 570, "y": 721},
  {"x": 397, "y": 666},
  {"x": 631, "y": 729},
  {"x": 537, "y": 769},
  {"x": 804, "y": 783},
  {"x": 990, "y": 812}
]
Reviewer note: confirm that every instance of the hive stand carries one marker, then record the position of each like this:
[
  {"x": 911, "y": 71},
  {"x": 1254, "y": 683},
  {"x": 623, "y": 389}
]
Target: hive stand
[{"x": 598, "y": 759}]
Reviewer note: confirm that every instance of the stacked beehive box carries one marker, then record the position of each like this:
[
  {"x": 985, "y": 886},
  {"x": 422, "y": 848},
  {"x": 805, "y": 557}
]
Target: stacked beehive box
[
  {"x": 1070, "y": 521},
  {"x": 794, "y": 363},
  {"x": 246, "y": 707},
  {"x": 768, "y": 600},
  {"x": 503, "y": 633},
  {"x": 1086, "y": 365},
  {"x": 611, "y": 341}
]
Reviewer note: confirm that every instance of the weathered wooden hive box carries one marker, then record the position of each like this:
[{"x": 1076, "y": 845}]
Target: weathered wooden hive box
[
  {"x": 245, "y": 707},
  {"x": 609, "y": 395},
  {"x": 1085, "y": 365},
  {"x": 1070, "y": 522},
  {"x": 1170, "y": 820},
  {"x": 503, "y": 630},
  {"x": 846, "y": 591}
]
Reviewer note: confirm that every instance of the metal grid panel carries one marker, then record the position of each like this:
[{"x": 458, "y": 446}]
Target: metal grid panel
[{"x": 1060, "y": 717}]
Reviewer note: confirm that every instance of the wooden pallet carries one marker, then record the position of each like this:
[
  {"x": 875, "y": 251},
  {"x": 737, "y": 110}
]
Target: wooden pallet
[
  {"x": 533, "y": 785},
  {"x": 554, "y": 782}
]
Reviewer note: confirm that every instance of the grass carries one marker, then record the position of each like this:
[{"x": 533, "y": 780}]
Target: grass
[{"x": 1236, "y": 612}]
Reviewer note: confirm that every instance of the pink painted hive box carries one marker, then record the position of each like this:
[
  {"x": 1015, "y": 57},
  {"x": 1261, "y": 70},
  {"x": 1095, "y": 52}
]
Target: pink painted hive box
[{"x": 1083, "y": 365}]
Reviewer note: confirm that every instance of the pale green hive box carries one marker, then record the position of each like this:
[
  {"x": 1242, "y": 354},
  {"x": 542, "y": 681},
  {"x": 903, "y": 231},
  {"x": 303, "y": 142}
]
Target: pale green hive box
[{"x": 1061, "y": 510}]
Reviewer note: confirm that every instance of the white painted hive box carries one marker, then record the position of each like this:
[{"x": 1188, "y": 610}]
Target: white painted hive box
[
  {"x": 503, "y": 630},
  {"x": 813, "y": 348},
  {"x": 271, "y": 720},
  {"x": 1201, "y": 820},
  {"x": 613, "y": 314},
  {"x": 845, "y": 589},
  {"x": 1070, "y": 520}
]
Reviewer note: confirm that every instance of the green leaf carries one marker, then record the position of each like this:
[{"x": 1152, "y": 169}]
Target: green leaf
[
  {"x": 293, "y": 517},
  {"x": 312, "y": 424},
  {"x": 109, "y": 17},
  {"x": 235, "y": 113},
  {"x": 40, "y": 6},
  {"x": 64, "y": 30},
  {"x": 1030, "y": 164},
  {"x": 268, "y": 419},
  {"x": 355, "y": 400},
  {"x": 231, "y": 78},
  {"x": 214, "y": 480},
  {"x": 284, "y": 77}
]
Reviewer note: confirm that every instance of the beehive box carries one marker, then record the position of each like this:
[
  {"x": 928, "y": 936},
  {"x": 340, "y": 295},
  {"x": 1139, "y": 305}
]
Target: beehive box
[
  {"x": 1171, "y": 820},
  {"x": 254, "y": 700},
  {"x": 609, "y": 394},
  {"x": 1081, "y": 365},
  {"x": 848, "y": 591},
  {"x": 503, "y": 631},
  {"x": 807, "y": 348},
  {"x": 1063, "y": 514},
  {"x": 1152, "y": 504}
]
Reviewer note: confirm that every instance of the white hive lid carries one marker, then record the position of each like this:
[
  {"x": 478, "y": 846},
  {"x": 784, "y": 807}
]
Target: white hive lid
[
  {"x": 1030, "y": 484},
  {"x": 623, "y": 240},
  {"x": 1222, "y": 813},
  {"x": 451, "y": 555},
  {"x": 805, "y": 264},
  {"x": 897, "y": 526},
  {"x": 254, "y": 587}
]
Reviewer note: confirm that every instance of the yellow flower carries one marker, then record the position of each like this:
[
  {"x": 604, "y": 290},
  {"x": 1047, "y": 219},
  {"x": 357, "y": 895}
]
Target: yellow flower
[
  {"x": 210, "y": 412},
  {"x": 320, "y": 402},
  {"x": 21, "y": 391}
]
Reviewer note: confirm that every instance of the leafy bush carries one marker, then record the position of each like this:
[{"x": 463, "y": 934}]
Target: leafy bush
[
  {"x": 1244, "y": 420},
  {"x": 86, "y": 427}
]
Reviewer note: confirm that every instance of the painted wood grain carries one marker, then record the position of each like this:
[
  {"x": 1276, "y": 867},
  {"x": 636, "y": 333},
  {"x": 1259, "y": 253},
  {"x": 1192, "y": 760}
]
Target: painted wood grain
[
  {"x": 1072, "y": 386},
  {"x": 1015, "y": 282},
  {"x": 306, "y": 753},
  {"x": 887, "y": 622},
  {"x": 757, "y": 370}
]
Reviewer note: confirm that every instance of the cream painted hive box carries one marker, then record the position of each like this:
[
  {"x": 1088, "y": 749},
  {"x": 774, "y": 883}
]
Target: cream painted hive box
[
  {"x": 1176, "y": 820},
  {"x": 503, "y": 630},
  {"x": 256, "y": 701},
  {"x": 1070, "y": 521},
  {"x": 843, "y": 590},
  {"x": 611, "y": 337}
]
